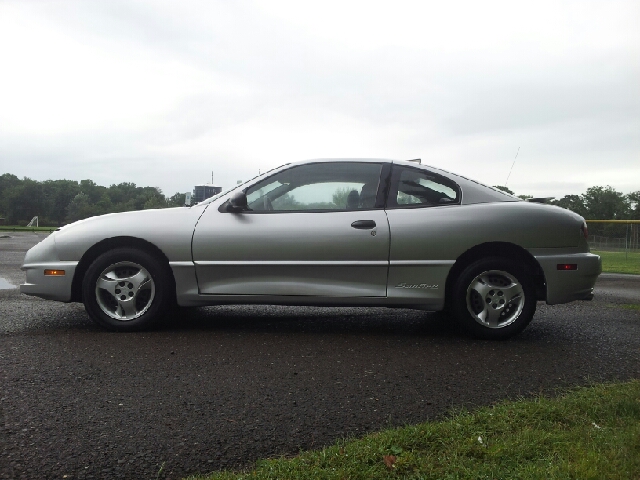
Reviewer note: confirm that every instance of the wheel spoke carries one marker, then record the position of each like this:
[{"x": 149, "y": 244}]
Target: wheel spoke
[
  {"x": 481, "y": 286},
  {"x": 490, "y": 315},
  {"x": 512, "y": 292},
  {"x": 139, "y": 279},
  {"x": 127, "y": 307},
  {"x": 107, "y": 284}
]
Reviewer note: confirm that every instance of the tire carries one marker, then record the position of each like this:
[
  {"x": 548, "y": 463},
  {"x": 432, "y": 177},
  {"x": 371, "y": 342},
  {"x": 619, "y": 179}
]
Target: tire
[
  {"x": 126, "y": 290},
  {"x": 493, "y": 298}
]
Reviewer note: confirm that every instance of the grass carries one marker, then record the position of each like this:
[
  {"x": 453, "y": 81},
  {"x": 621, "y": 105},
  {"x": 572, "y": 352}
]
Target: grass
[
  {"x": 617, "y": 262},
  {"x": 626, "y": 306},
  {"x": 588, "y": 433}
]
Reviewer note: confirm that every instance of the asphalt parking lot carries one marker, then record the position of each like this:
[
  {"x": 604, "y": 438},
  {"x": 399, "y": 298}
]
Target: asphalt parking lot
[{"x": 223, "y": 386}]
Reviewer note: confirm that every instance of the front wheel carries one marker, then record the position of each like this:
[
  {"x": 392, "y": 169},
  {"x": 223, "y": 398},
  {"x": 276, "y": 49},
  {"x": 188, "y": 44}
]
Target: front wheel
[
  {"x": 493, "y": 298},
  {"x": 126, "y": 289}
]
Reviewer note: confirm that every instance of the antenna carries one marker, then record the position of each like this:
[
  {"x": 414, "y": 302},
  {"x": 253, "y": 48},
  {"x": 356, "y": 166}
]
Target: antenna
[
  {"x": 211, "y": 177},
  {"x": 514, "y": 162}
]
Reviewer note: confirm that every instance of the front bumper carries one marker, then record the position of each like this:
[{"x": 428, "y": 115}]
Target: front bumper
[
  {"x": 49, "y": 287},
  {"x": 565, "y": 286}
]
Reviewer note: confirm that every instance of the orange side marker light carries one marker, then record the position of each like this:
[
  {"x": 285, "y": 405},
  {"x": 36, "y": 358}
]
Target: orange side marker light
[{"x": 54, "y": 273}]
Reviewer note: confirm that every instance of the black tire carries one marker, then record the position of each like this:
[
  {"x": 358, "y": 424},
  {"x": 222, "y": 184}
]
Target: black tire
[
  {"x": 126, "y": 289},
  {"x": 493, "y": 298}
]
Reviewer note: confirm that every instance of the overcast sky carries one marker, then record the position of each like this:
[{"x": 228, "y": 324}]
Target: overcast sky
[{"x": 162, "y": 93}]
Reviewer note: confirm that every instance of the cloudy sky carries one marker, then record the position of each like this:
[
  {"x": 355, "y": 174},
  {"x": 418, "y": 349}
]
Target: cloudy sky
[{"x": 162, "y": 93}]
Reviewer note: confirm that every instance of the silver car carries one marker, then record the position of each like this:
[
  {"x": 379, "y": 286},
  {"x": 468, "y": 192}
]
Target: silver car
[{"x": 352, "y": 232}]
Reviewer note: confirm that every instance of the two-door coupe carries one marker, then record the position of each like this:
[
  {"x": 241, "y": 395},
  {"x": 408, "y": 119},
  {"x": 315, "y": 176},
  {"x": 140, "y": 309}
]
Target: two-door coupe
[{"x": 351, "y": 232}]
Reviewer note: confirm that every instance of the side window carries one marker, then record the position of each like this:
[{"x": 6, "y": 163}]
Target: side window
[
  {"x": 411, "y": 187},
  {"x": 318, "y": 186}
]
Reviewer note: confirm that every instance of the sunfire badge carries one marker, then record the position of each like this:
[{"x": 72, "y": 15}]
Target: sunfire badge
[{"x": 416, "y": 285}]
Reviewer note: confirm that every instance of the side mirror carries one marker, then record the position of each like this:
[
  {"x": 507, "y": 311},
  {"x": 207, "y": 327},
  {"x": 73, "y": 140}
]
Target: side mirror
[{"x": 237, "y": 203}]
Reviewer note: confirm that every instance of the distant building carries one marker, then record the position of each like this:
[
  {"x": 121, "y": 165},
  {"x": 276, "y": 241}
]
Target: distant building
[{"x": 202, "y": 192}]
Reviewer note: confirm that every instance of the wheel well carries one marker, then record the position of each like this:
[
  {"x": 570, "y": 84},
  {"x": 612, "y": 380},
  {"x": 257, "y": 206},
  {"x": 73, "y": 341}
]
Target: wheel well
[
  {"x": 109, "y": 244},
  {"x": 503, "y": 250}
]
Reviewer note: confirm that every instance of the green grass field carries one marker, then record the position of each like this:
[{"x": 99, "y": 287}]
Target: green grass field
[
  {"x": 617, "y": 262},
  {"x": 590, "y": 432}
]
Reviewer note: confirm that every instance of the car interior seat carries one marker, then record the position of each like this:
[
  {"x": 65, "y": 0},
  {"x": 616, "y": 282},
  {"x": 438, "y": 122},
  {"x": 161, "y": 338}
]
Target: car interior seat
[
  {"x": 353, "y": 200},
  {"x": 368, "y": 195}
]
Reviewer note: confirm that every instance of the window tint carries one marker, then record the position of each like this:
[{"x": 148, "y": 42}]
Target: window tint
[
  {"x": 318, "y": 186},
  {"x": 413, "y": 187}
]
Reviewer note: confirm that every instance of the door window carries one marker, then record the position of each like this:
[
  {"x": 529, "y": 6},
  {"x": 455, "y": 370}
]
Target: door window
[
  {"x": 318, "y": 187},
  {"x": 411, "y": 187}
]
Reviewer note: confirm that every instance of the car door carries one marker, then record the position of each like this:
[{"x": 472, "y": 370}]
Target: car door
[
  {"x": 316, "y": 229},
  {"x": 421, "y": 208}
]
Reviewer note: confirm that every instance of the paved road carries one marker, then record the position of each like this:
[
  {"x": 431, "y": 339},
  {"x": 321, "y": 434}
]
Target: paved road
[{"x": 223, "y": 386}]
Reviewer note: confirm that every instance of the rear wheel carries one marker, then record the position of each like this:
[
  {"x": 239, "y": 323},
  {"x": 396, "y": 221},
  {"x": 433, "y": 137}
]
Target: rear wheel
[
  {"x": 493, "y": 298},
  {"x": 126, "y": 289}
]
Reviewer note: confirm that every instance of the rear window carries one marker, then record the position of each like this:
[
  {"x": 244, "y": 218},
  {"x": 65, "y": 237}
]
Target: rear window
[{"x": 414, "y": 188}]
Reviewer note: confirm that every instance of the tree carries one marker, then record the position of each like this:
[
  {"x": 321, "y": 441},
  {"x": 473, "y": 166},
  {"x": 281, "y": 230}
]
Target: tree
[
  {"x": 7, "y": 182},
  {"x": 154, "y": 198},
  {"x": 504, "y": 189},
  {"x": 24, "y": 201},
  {"x": 605, "y": 203},
  {"x": 634, "y": 205},
  {"x": 93, "y": 191},
  {"x": 286, "y": 202},
  {"x": 599, "y": 203},
  {"x": 120, "y": 194},
  {"x": 58, "y": 194},
  {"x": 340, "y": 197},
  {"x": 574, "y": 203},
  {"x": 104, "y": 205},
  {"x": 176, "y": 200},
  {"x": 79, "y": 208}
]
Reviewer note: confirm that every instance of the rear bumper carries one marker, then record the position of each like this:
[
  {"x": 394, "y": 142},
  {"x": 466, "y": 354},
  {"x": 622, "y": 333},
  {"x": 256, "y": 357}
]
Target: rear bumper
[
  {"x": 49, "y": 287},
  {"x": 565, "y": 286}
]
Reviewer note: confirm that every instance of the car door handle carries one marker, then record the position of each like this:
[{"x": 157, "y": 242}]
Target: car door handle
[{"x": 364, "y": 224}]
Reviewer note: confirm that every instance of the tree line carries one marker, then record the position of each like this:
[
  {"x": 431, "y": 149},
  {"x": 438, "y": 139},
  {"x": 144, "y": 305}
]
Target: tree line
[
  {"x": 599, "y": 203},
  {"x": 57, "y": 202}
]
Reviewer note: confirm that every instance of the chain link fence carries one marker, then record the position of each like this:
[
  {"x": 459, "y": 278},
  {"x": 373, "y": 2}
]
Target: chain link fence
[{"x": 626, "y": 238}]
